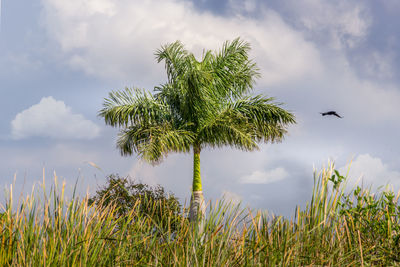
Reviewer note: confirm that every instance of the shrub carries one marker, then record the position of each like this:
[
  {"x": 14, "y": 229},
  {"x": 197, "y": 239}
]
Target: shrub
[
  {"x": 377, "y": 220},
  {"x": 146, "y": 200}
]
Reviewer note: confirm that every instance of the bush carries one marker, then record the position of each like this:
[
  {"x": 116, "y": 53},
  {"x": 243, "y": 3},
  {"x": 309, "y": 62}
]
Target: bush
[
  {"x": 377, "y": 220},
  {"x": 127, "y": 195}
]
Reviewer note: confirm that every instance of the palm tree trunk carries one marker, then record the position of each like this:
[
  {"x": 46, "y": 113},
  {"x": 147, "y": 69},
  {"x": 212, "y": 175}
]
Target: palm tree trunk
[{"x": 197, "y": 205}]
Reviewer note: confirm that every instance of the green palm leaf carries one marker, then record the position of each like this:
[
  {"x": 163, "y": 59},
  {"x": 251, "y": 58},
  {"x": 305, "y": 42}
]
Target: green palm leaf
[
  {"x": 154, "y": 142},
  {"x": 203, "y": 103}
]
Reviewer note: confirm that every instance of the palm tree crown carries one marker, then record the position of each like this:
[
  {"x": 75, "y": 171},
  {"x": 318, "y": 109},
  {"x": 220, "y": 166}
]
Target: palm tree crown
[{"x": 203, "y": 103}]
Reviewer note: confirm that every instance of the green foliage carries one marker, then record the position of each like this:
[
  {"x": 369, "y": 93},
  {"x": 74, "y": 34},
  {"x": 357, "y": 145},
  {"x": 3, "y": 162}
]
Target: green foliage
[
  {"x": 336, "y": 179},
  {"x": 203, "y": 103},
  {"x": 126, "y": 195},
  {"x": 377, "y": 218},
  {"x": 334, "y": 229}
]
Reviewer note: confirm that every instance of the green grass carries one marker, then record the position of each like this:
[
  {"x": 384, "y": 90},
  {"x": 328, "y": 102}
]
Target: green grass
[{"x": 334, "y": 229}]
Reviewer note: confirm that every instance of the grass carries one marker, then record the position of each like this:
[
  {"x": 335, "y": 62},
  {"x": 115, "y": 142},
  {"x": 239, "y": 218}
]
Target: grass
[{"x": 334, "y": 229}]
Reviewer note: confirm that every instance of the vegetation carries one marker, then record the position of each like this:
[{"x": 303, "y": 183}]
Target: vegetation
[
  {"x": 125, "y": 195},
  {"x": 334, "y": 229},
  {"x": 203, "y": 103}
]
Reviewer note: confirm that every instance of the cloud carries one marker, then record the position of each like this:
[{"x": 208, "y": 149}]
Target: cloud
[
  {"x": 17, "y": 63},
  {"x": 243, "y": 5},
  {"x": 372, "y": 172},
  {"x": 52, "y": 118},
  {"x": 261, "y": 177},
  {"x": 343, "y": 24},
  {"x": 117, "y": 38},
  {"x": 378, "y": 64},
  {"x": 358, "y": 97}
]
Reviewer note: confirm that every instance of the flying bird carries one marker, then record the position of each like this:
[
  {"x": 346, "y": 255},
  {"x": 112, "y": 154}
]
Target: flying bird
[{"x": 331, "y": 113}]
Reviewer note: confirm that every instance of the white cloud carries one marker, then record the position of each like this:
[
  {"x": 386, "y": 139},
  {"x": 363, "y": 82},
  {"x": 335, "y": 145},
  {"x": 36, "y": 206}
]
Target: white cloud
[
  {"x": 261, "y": 177},
  {"x": 378, "y": 64},
  {"x": 344, "y": 23},
  {"x": 239, "y": 6},
  {"x": 118, "y": 39},
  {"x": 372, "y": 171},
  {"x": 52, "y": 118}
]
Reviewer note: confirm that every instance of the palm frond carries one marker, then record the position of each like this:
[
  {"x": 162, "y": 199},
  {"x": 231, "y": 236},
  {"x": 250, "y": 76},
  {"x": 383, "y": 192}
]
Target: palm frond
[
  {"x": 235, "y": 73},
  {"x": 256, "y": 119},
  {"x": 189, "y": 81},
  {"x": 154, "y": 142},
  {"x": 224, "y": 133},
  {"x": 175, "y": 56},
  {"x": 124, "y": 108},
  {"x": 203, "y": 103}
]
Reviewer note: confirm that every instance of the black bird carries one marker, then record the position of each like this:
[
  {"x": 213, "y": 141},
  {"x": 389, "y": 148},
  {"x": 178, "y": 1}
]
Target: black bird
[{"x": 331, "y": 113}]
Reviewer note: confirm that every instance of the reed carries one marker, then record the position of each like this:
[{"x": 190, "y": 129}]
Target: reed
[{"x": 334, "y": 229}]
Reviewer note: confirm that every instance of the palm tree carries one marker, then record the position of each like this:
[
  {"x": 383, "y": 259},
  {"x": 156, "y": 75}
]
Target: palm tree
[{"x": 203, "y": 104}]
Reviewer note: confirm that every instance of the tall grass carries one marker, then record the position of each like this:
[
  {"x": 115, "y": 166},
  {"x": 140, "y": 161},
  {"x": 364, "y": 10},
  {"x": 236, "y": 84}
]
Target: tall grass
[{"x": 334, "y": 229}]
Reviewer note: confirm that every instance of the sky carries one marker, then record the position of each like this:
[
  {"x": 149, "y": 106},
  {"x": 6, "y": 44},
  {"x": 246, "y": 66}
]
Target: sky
[{"x": 60, "y": 59}]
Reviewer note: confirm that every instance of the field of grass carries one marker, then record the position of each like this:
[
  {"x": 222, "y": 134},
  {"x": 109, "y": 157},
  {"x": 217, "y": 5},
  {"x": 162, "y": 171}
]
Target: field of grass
[{"x": 334, "y": 229}]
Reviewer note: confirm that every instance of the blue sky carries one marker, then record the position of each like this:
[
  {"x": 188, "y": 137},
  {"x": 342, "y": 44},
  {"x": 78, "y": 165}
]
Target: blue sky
[{"x": 59, "y": 59}]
